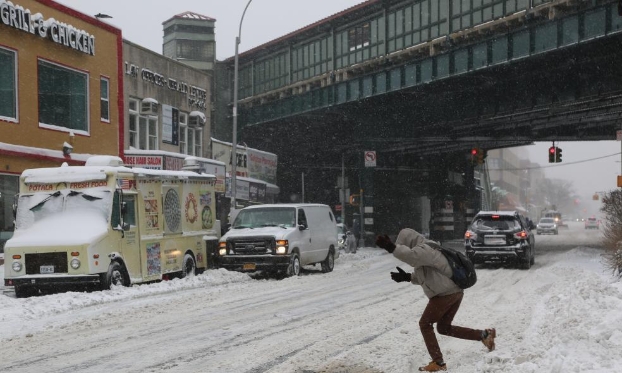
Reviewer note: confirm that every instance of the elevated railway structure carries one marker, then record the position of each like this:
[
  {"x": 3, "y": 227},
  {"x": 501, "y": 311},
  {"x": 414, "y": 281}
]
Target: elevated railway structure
[{"x": 421, "y": 83}]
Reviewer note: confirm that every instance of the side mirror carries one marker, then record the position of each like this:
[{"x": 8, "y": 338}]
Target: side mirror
[
  {"x": 301, "y": 227},
  {"x": 123, "y": 208},
  {"x": 126, "y": 226}
]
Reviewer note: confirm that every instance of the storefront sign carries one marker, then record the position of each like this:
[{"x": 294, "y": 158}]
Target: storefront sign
[
  {"x": 197, "y": 97},
  {"x": 59, "y": 32},
  {"x": 142, "y": 161},
  {"x": 262, "y": 165}
]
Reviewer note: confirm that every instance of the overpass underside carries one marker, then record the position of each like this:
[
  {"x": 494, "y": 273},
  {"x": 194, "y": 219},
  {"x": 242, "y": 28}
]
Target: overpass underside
[{"x": 422, "y": 116}]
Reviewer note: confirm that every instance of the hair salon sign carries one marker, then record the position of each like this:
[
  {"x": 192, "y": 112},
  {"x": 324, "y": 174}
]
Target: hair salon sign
[{"x": 61, "y": 33}]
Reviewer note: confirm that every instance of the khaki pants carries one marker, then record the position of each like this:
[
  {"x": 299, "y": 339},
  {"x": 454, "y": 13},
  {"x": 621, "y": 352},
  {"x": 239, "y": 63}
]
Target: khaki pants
[{"x": 441, "y": 310}]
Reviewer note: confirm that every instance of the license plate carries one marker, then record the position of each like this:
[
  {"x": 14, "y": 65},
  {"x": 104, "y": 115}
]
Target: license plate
[
  {"x": 46, "y": 269},
  {"x": 494, "y": 240},
  {"x": 248, "y": 266}
]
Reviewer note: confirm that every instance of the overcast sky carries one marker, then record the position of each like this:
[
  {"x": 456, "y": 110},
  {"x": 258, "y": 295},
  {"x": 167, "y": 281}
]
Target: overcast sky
[
  {"x": 592, "y": 166},
  {"x": 265, "y": 20}
]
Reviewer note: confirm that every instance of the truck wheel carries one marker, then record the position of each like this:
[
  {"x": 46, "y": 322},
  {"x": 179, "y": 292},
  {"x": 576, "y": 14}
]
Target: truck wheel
[
  {"x": 115, "y": 276},
  {"x": 329, "y": 263},
  {"x": 294, "y": 266},
  {"x": 25, "y": 291},
  {"x": 189, "y": 269}
]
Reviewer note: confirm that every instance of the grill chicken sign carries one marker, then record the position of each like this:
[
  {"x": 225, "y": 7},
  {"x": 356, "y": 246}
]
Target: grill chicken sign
[{"x": 61, "y": 33}]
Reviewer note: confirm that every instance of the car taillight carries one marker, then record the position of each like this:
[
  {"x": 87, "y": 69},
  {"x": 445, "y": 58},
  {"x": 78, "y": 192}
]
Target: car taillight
[
  {"x": 468, "y": 235},
  {"x": 522, "y": 235}
]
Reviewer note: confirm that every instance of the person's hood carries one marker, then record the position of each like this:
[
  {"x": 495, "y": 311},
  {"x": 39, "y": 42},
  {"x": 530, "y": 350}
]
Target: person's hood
[{"x": 410, "y": 237}]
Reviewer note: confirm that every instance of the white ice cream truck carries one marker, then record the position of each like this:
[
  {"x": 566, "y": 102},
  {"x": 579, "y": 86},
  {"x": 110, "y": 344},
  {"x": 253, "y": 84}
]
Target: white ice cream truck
[{"x": 103, "y": 224}]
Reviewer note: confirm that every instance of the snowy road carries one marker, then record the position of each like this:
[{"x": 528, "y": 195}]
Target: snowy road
[{"x": 558, "y": 315}]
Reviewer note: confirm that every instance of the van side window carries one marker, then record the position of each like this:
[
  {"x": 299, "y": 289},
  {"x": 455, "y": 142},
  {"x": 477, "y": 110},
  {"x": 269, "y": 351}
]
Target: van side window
[
  {"x": 302, "y": 218},
  {"x": 330, "y": 215}
]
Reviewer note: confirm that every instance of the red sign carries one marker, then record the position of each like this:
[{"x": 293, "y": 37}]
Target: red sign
[{"x": 337, "y": 207}]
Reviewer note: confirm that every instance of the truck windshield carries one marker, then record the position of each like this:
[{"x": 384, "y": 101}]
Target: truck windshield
[
  {"x": 266, "y": 217},
  {"x": 36, "y": 207}
]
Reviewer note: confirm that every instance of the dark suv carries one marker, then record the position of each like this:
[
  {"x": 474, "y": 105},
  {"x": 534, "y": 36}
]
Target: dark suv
[{"x": 500, "y": 236}]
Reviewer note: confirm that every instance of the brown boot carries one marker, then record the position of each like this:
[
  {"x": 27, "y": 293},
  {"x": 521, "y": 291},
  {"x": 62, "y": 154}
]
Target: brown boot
[
  {"x": 489, "y": 339},
  {"x": 433, "y": 367}
]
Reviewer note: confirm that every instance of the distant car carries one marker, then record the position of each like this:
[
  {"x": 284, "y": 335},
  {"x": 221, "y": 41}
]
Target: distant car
[
  {"x": 500, "y": 236},
  {"x": 591, "y": 223},
  {"x": 547, "y": 225},
  {"x": 345, "y": 239}
]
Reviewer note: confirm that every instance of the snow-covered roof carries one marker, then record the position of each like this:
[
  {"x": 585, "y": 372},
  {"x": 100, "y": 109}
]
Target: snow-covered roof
[
  {"x": 285, "y": 205},
  {"x": 94, "y": 173}
]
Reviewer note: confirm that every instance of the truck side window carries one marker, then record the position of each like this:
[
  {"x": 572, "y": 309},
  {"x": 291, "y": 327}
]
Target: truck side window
[
  {"x": 115, "y": 219},
  {"x": 130, "y": 210},
  {"x": 302, "y": 218}
]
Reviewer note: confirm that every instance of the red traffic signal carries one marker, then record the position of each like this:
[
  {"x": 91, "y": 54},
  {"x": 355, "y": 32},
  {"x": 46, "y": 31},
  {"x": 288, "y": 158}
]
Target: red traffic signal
[{"x": 552, "y": 154}]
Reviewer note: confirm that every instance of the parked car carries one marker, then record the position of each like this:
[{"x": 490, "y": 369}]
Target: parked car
[
  {"x": 345, "y": 239},
  {"x": 500, "y": 236},
  {"x": 280, "y": 238},
  {"x": 591, "y": 223},
  {"x": 547, "y": 225}
]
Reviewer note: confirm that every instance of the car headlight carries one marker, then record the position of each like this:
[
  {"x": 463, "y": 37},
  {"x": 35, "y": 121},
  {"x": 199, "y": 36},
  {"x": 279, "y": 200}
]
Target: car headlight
[
  {"x": 281, "y": 246},
  {"x": 222, "y": 248},
  {"x": 75, "y": 263},
  {"x": 17, "y": 266}
]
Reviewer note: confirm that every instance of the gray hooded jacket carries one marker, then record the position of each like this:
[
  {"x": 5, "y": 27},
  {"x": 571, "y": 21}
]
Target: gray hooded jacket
[{"x": 432, "y": 270}]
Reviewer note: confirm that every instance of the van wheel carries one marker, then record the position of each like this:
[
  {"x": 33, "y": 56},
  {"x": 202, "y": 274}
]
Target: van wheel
[
  {"x": 189, "y": 269},
  {"x": 294, "y": 266},
  {"x": 329, "y": 263},
  {"x": 116, "y": 275}
]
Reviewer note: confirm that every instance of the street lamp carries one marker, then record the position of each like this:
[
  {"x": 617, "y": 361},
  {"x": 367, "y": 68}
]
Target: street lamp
[{"x": 234, "y": 146}]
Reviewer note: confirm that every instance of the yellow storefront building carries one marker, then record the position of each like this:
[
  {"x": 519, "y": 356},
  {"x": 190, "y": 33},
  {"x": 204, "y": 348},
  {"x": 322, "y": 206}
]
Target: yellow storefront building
[{"x": 61, "y": 92}]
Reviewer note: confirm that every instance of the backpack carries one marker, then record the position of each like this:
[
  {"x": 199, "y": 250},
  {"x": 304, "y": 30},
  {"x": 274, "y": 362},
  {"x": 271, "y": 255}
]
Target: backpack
[{"x": 463, "y": 269}]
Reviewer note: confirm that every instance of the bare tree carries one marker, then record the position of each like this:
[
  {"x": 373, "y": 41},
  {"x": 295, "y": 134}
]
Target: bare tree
[{"x": 612, "y": 230}]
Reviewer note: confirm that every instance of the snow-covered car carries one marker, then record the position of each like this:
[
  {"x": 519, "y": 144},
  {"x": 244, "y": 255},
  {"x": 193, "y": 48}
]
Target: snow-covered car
[
  {"x": 546, "y": 225},
  {"x": 591, "y": 223},
  {"x": 345, "y": 239}
]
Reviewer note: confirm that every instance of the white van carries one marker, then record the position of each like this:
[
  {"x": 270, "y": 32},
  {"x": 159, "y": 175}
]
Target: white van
[{"x": 280, "y": 238}]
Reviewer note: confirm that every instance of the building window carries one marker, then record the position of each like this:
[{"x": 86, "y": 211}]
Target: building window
[
  {"x": 183, "y": 130},
  {"x": 9, "y": 186},
  {"x": 195, "y": 50},
  {"x": 105, "y": 99},
  {"x": 198, "y": 143},
  {"x": 359, "y": 37},
  {"x": 133, "y": 124},
  {"x": 63, "y": 97},
  {"x": 8, "y": 85},
  {"x": 143, "y": 129}
]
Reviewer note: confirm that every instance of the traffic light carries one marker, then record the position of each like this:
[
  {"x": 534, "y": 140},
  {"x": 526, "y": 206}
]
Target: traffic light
[
  {"x": 558, "y": 155},
  {"x": 355, "y": 199},
  {"x": 552, "y": 154},
  {"x": 477, "y": 156}
]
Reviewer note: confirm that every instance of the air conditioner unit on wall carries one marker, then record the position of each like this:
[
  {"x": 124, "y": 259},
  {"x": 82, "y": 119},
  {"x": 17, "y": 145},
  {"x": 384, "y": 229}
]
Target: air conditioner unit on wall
[
  {"x": 149, "y": 106},
  {"x": 196, "y": 119}
]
